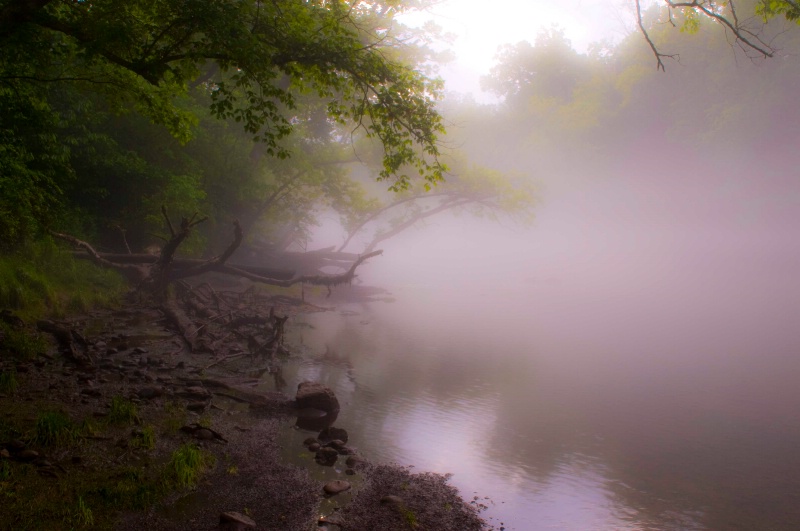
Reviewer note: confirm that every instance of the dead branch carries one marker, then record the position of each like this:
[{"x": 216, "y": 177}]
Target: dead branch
[
  {"x": 132, "y": 272},
  {"x": 317, "y": 280}
]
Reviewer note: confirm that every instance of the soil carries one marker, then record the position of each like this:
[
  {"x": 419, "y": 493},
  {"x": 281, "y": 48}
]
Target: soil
[{"x": 105, "y": 477}]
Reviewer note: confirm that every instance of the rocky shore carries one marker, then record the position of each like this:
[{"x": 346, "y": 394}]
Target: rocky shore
[{"x": 144, "y": 434}]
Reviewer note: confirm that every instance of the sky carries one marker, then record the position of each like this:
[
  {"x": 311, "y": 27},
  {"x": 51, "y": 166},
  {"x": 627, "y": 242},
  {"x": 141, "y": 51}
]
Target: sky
[{"x": 480, "y": 27}]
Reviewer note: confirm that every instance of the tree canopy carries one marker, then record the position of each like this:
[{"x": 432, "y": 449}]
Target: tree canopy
[{"x": 70, "y": 72}]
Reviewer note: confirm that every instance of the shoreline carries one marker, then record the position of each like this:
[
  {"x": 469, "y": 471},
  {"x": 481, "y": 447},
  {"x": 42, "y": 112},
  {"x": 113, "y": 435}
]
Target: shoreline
[{"x": 139, "y": 361}]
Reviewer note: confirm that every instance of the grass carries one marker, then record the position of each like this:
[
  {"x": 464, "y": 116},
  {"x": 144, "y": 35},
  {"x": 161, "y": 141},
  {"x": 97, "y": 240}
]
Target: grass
[
  {"x": 123, "y": 412},
  {"x": 146, "y": 438},
  {"x": 175, "y": 417},
  {"x": 83, "y": 514},
  {"x": 186, "y": 465},
  {"x": 409, "y": 516},
  {"x": 55, "y": 428},
  {"x": 8, "y": 382},
  {"x": 43, "y": 279},
  {"x": 22, "y": 344}
]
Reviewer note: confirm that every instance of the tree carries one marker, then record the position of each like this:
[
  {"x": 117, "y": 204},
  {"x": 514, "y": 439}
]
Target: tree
[
  {"x": 253, "y": 60},
  {"x": 744, "y": 22}
]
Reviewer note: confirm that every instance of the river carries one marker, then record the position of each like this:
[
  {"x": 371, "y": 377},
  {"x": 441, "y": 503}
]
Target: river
[{"x": 581, "y": 375}]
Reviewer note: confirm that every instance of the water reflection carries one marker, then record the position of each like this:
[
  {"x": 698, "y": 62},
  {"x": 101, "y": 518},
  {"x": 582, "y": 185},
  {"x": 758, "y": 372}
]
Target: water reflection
[{"x": 676, "y": 410}]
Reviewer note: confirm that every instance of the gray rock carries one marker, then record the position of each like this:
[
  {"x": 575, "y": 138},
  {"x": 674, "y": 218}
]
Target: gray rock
[
  {"x": 354, "y": 461},
  {"x": 195, "y": 392},
  {"x": 313, "y": 447},
  {"x": 331, "y": 434},
  {"x": 233, "y": 521},
  {"x": 147, "y": 393},
  {"x": 316, "y": 395},
  {"x": 392, "y": 500},
  {"x": 336, "y": 486},
  {"x": 326, "y": 456}
]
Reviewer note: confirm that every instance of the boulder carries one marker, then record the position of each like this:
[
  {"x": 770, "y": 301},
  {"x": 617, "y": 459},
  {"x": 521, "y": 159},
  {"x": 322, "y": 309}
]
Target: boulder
[{"x": 317, "y": 396}]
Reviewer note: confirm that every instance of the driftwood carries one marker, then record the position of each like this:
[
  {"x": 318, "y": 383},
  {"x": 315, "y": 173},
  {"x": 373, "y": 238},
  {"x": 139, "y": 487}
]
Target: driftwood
[{"x": 154, "y": 274}]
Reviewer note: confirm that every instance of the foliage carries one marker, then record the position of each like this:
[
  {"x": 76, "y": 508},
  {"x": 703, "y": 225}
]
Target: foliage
[
  {"x": 55, "y": 428},
  {"x": 71, "y": 73},
  {"x": 146, "y": 438},
  {"x": 41, "y": 279},
  {"x": 21, "y": 343},
  {"x": 8, "y": 381},
  {"x": 122, "y": 411},
  {"x": 186, "y": 465}
]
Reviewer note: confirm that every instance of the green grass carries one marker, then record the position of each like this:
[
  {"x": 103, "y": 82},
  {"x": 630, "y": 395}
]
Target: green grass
[
  {"x": 186, "y": 465},
  {"x": 44, "y": 280},
  {"x": 83, "y": 514},
  {"x": 55, "y": 428},
  {"x": 146, "y": 438},
  {"x": 122, "y": 411},
  {"x": 8, "y": 382},
  {"x": 21, "y": 343}
]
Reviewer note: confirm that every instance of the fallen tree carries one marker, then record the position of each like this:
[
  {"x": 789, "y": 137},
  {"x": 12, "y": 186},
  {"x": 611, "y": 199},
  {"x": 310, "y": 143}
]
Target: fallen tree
[{"x": 152, "y": 275}]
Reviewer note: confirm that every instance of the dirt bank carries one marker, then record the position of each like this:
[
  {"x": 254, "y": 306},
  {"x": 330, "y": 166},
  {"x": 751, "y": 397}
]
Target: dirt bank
[{"x": 138, "y": 404}]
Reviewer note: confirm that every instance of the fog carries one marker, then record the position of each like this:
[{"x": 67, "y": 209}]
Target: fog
[{"x": 629, "y": 360}]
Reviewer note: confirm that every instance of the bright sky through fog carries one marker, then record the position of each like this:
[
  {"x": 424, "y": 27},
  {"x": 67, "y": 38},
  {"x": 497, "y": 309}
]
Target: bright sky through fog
[{"x": 481, "y": 26}]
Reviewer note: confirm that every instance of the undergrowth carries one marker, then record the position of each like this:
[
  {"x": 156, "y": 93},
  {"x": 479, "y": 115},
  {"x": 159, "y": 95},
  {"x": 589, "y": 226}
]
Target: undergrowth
[
  {"x": 186, "y": 465},
  {"x": 43, "y": 279},
  {"x": 122, "y": 411},
  {"x": 21, "y": 343}
]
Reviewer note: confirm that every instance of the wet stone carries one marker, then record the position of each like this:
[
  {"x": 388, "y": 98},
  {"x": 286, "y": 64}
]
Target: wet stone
[
  {"x": 235, "y": 521},
  {"x": 336, "y": 486},
  {"x": 332, "y": 434},
  {"x": 392, "y": 500},
  {"x": 326, "y": 456}
]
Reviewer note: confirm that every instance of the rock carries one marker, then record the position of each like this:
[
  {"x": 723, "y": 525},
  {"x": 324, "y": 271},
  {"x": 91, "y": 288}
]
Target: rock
[
  {"x": 332, "y": 434},
  {"x": 313, "y": 447},
  {"x": 91, "y": 392},
  {"x": 354, "y": 461},
  {"x": 4, "y": 454},
  {"x": 336, "y": 486},
  {"x": 316, "y": 395},
  {"x": 15, "y": 445},
  {"x": 326, "y": 456},
  {"x": 203, "y": 434},
  {"x": 350, "y": 472},
  {"x": 197, "y": 406},
  {"x": 332, "y": 519},
  {"x": 335, "y": 444},
  {"x": 195, "y": 392},
  {"x": 233, "y": 521},
  {"x": 309, "y": 441},
  {"x": 28, "y": 455},
  {"x": 147, "y": 393},
  {"x": 392, "y": 500}
]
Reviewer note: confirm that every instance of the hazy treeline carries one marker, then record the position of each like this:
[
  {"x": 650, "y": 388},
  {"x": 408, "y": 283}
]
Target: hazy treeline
[{"x": 106, "y": 114}]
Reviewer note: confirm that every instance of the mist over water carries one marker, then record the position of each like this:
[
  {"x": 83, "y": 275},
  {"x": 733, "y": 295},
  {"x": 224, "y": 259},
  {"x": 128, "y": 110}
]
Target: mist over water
[{"x": 609, "y": 367}]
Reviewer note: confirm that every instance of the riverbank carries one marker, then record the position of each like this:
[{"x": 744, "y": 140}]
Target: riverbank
[{"x": 144, "y": 434}]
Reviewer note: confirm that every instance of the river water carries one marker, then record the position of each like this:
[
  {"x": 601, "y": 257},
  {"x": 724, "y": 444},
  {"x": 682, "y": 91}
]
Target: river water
[{"x": 578, "y": 375}]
